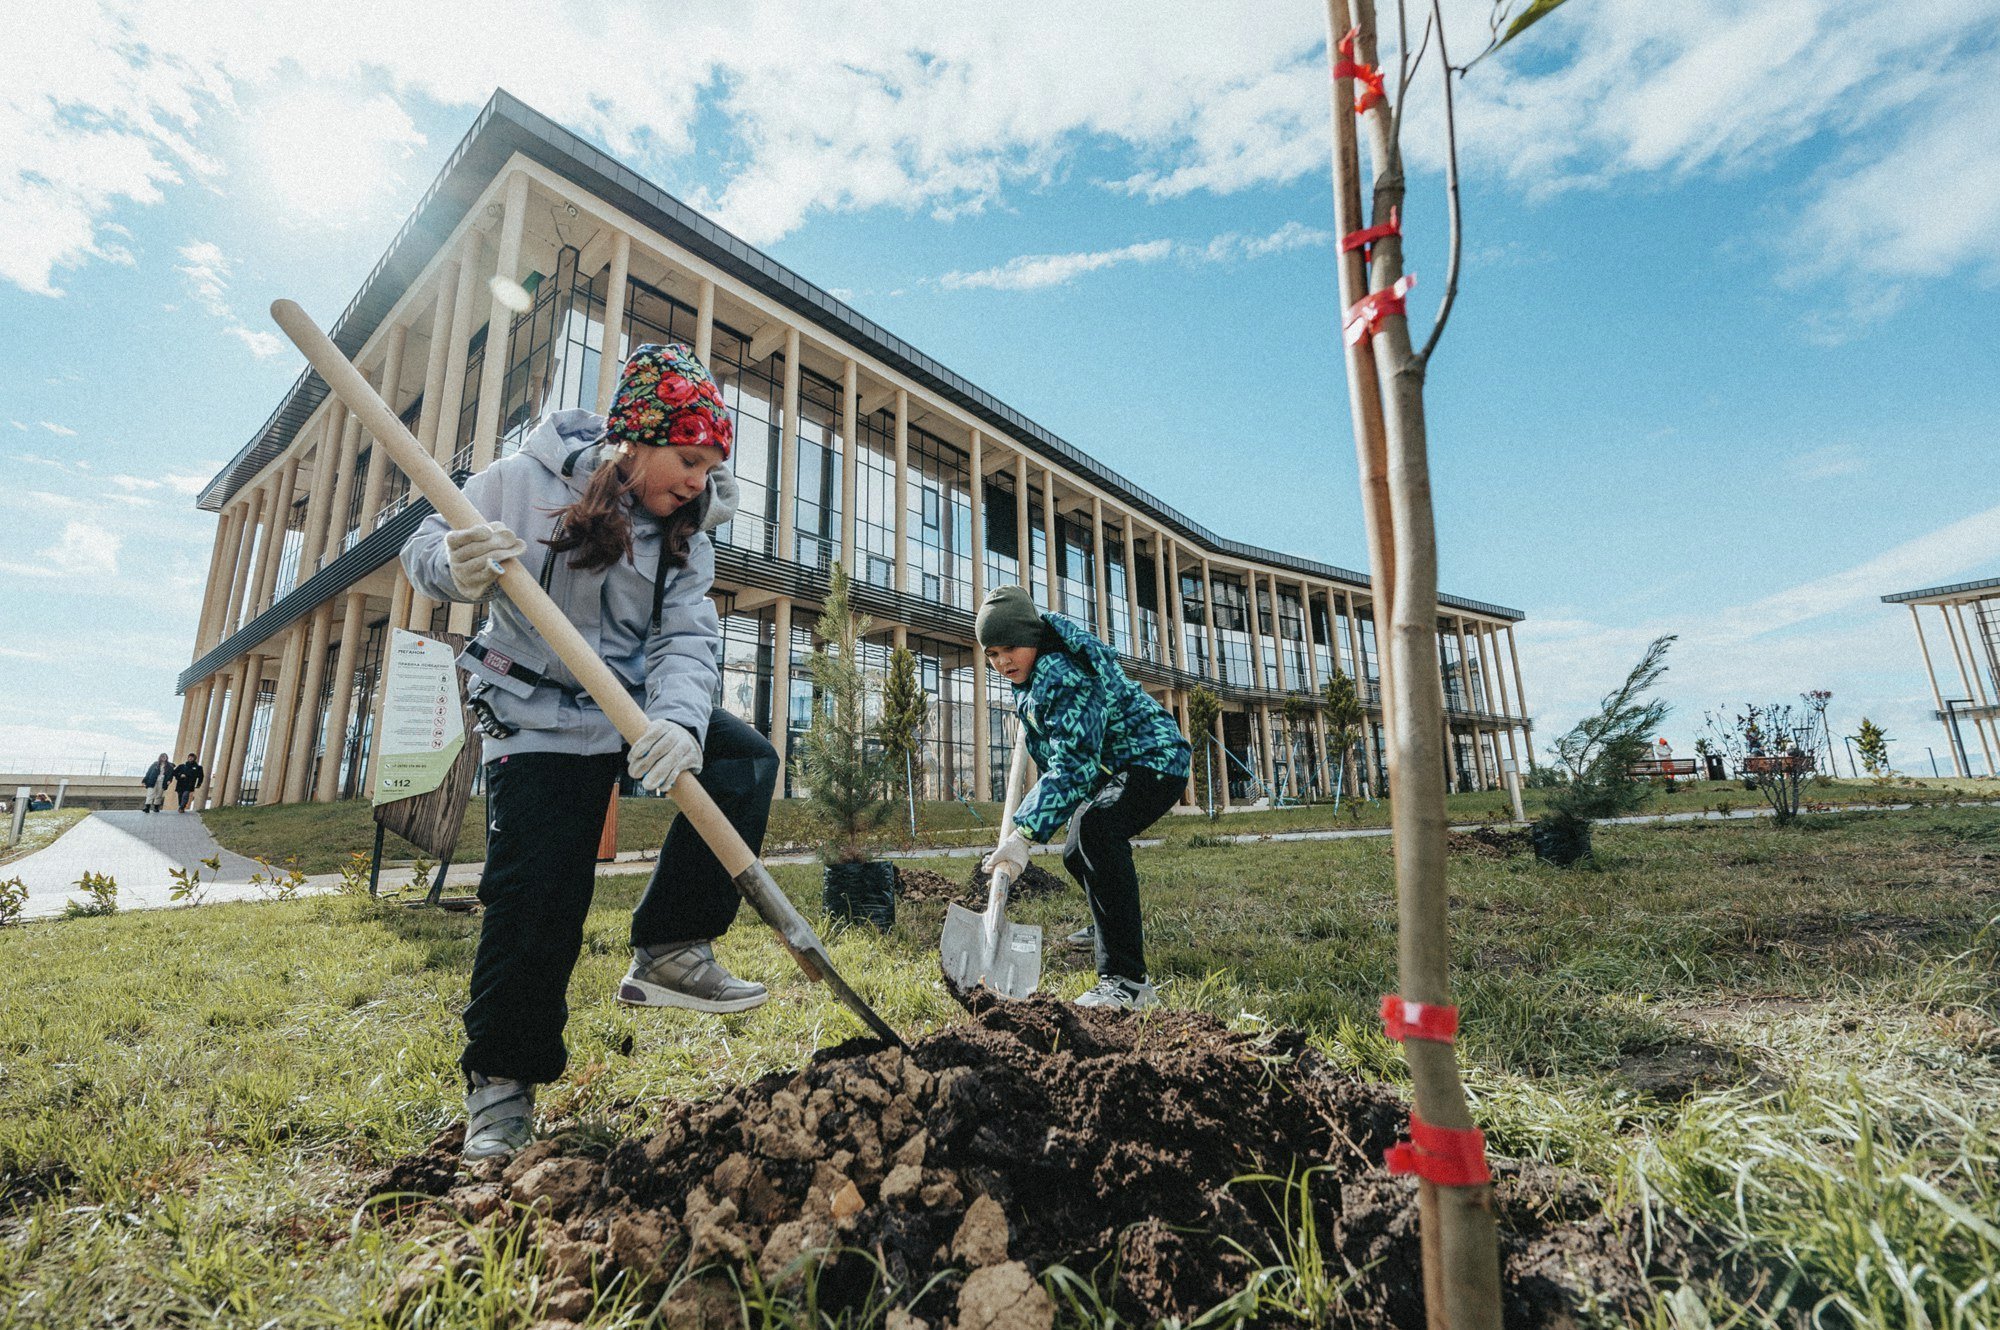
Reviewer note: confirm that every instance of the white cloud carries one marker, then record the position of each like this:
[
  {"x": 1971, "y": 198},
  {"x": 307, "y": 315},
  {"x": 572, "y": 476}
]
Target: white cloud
[
  {"x": 206, "y": 270},
  {"x": 1030, "y": 272},
  {"x": 60, "y": 431},
  {"x": 17, "y": 424},
  {"x": 1834, "y": 460}
]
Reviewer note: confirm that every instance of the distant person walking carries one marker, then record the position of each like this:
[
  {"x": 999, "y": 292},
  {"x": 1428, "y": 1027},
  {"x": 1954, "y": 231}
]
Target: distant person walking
[
  {"x": 157, "y": 778},
  {"x": 188, "y": 778}
]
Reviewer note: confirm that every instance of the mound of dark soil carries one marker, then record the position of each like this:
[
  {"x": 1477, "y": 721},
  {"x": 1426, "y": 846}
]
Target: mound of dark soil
[
  {"x": 921, "y": 884},
  {"x": 1035, "y": 1134},
  {"x": 1491, "y": 842}
]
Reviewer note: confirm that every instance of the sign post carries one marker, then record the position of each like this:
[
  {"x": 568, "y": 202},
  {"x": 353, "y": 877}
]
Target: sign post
[
  {"x": 1512, "y": 775},
  {"x": 422, "y": 728},
  {"x": 424, "y": 778}
]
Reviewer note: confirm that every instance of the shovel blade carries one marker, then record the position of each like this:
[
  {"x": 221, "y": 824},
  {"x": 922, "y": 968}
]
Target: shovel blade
[{"x": 1013, "y": 969}]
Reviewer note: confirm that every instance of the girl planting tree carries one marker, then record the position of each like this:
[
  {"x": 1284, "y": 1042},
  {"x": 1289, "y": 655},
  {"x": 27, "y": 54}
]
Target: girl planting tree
[
  {"x": 1112, "y": 761},
  {"x": 613, "y": 515}
]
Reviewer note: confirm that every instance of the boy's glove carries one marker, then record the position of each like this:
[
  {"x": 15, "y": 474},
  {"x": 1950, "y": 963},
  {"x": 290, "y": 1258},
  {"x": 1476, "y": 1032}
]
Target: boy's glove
[
  {"x": 1012, "y": 849},
  {"x": 662, "y": 755},
  {"x": 475, "y": 553}
]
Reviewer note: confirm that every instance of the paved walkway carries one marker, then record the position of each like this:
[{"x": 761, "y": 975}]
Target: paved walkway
[{"x": 137, "y": 850}]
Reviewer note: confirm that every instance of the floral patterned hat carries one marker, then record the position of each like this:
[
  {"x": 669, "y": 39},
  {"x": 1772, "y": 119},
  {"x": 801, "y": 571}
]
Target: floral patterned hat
[{"x": 665, "y": 398}]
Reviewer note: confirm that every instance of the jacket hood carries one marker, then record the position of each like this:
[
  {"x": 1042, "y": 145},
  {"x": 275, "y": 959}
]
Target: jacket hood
[
  {"x": 567, "y": 444},
  {"x": 1082, "y": 642}
]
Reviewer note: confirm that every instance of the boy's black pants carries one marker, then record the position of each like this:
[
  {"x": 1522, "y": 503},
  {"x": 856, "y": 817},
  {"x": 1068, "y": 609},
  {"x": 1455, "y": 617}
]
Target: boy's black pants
[
  {"x": 545, "y": 813},
  {"x": 1098, "y": 855}
]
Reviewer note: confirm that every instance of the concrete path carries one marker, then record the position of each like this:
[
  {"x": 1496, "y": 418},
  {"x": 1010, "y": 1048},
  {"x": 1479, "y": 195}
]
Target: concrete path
[{"x": 136, "y": 850}]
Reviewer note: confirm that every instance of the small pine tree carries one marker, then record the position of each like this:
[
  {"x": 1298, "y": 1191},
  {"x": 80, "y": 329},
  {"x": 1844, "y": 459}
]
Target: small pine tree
[
  {"x": 1298, "y": 713},
  {"x": 1340, "y": 703},
  {"x": 845, "y": 771},
  {"x": 1204, "y": 705},
  {"x": 1873, "y": 746},
  {"x": 1598, "y": 755},
  {"x": 906, "y": 713}
]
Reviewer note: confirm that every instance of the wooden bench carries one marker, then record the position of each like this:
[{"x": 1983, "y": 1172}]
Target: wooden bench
[{"x": 1669, "y": 768}]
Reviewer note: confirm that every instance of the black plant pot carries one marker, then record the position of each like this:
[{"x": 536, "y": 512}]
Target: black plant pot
[{"x": 863, "y": 892}]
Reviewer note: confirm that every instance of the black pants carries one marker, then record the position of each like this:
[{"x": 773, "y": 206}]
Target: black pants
[
  {"x": 185, "y": 795},
  {"x": 545, "y": 813},
  {"x": 1098, "y": 854}
]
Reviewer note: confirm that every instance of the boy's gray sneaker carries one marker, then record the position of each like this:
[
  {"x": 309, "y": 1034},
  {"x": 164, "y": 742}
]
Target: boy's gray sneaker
[
  {"x": 1083, "y": 939},
  {"x": 1125, "y": 994},
  {"x": 686, "y": 975},
  {"x": 499, "y": 1116}
]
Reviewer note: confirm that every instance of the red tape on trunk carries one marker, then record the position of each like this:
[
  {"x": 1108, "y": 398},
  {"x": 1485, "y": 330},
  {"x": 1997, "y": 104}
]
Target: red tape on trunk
[
  {"x": 1368, "y": 76},
  {"x": 1438, "y": 1154},
  {"x": 1418, "y": 1020},
  {"x": 1365, "y": 238},
  {"x": 1364, "y": 318}
]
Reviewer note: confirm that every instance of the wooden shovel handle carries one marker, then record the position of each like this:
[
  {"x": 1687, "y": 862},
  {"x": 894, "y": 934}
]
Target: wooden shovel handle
[
  {"x": 1017, "y": 776},
  {"x": 430, "y": 480}
]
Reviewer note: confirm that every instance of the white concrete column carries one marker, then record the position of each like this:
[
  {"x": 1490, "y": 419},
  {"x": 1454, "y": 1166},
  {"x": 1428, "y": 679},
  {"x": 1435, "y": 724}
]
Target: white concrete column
[
  {"x": 1257, "y": 631},
  {"x": 402, "y": 596},
  {"x": 1023, "y": 534},
  {"x": 212, "y": 594},
  {"x": 327, "y": 787},
  {"x": 982, "y": 749},
  {"x": 1937, "y": 695},
  {"x": 206, "y": 718},
  {"x": 239, "y": 729},
  {"x": 1965, "y": 676},
  {"x": 1208, "y": 621},
  {"x": 326, "y": 451},
  {"x": 1050, "y": 576},
  {"x": 1172, "y": 644},
  {"x": 1986, "y": 727},
  {"x": 1100, "y": 568},
  {"x": 437, "y": 354},
  {"x": 284, "y": 704},
  {"x": 343, "y": 488},
  {"x": 1471, "y": 703},
  {"x": 277, "y": 516},
  {"x": 704, "y": 321},
  {"x": 499, "y": 326},
  {"x": 788, "y": 453},
  {"x": 1277, "y": 632},
  {"x": 611, "y": 347},
  {"x": 1521, "y": 698},
  {"x": 781, "y": 690},
  {"x": 305, "y": 724},
  {"x": 209, "y": 751},
  {"x": 222, "y": 577},
  {"x": 244, "y": 577},
  {"x": 451, "y": 390},
  {"x": 1131, "y": 567},
  {"x": 902, "y": 508},
  {"x": 850, "y": 453},
  {"x": 1219, "y": 757},
  {"x": 379, "y": 464}
]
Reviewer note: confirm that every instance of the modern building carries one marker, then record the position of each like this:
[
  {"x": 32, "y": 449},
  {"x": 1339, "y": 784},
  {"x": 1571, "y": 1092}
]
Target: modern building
[
  {"x": 1968, "y": 691},
  {"x": 952, "y": 491}
]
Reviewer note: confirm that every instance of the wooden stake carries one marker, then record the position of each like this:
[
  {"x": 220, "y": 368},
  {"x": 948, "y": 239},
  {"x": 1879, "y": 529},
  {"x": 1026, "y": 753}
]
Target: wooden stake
[{"x": 1460, "y": 1245}]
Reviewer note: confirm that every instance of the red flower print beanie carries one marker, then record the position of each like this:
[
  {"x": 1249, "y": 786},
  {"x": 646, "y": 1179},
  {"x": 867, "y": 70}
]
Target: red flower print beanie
[{"x": 665, "y": 398}]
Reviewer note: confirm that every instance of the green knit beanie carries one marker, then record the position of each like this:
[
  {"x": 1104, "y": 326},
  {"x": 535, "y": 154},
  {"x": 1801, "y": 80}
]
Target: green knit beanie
[{"x": 1008, "y": 619}]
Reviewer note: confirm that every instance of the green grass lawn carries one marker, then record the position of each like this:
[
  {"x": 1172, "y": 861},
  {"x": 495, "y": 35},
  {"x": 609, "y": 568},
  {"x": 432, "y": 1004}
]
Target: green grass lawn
[
  {"x": 1788, "y": 1038},
  {"x": 324, "y": 837},
  {"x": 38, "y": 829}
]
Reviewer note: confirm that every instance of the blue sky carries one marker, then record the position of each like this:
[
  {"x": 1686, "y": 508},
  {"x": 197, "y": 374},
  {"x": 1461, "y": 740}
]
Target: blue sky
[{"x": 1723, "y": 363}]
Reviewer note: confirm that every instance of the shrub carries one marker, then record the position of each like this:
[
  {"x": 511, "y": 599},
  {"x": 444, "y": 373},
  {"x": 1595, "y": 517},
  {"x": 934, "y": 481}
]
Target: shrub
[
  {"x": 13, "y": 899},
  {"x": 102, "y": 889}
]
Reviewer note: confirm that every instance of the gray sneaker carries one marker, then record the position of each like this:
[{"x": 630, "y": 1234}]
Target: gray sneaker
[
  {"x": 686, "y": 975},
  {"x": 499, "y": 1117},
  {"x": 1125, "y": 994},
  {"x": 1083, "y": 939}
]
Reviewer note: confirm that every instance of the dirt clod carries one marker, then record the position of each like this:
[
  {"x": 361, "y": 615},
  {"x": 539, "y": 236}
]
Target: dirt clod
[
  {"x": 1004, "y": 1297},
  {"x": 1037, "y": 1134}
]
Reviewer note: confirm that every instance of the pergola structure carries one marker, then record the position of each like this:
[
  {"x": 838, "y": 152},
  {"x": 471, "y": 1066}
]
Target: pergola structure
[
  {"x": 1965, "y": 674},
  {"x": 852, "y": 445}
]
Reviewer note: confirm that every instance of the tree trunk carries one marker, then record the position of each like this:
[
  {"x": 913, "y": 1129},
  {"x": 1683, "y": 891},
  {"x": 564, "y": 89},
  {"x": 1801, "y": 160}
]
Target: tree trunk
[{"x": 1386, "y": 384}]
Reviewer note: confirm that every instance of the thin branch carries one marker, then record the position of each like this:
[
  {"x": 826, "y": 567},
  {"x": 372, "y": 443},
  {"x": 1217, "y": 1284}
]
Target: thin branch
[
  {"x": 1415, "y": 62},
  {"x": 1404, "y": 72},
  {"x": 1423, "y": 357}
]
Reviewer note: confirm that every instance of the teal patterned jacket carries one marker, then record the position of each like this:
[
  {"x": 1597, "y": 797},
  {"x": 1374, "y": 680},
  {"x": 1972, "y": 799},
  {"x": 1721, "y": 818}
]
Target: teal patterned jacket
[{"x": 1085, "y": 720}]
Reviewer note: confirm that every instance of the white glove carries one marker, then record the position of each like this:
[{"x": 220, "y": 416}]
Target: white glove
[
  {"x": 475, "y": 554},
  {"x": 723, "y": 496},
  {"x": 1012, "y": 849},
  {"x": 662, "y": 755}
]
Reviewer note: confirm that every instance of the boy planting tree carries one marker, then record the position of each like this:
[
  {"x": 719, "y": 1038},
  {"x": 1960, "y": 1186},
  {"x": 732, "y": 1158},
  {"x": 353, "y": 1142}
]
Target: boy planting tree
[{"x": 1111, "y": 761}]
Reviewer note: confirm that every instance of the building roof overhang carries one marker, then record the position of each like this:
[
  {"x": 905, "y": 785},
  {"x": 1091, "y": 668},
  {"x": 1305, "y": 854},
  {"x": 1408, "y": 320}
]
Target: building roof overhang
[{"x": 506, "y": 126}]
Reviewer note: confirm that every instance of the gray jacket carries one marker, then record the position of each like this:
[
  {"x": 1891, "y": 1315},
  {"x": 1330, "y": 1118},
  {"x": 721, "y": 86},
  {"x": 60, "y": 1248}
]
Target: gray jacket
[{"x": 672, "y": 670}]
